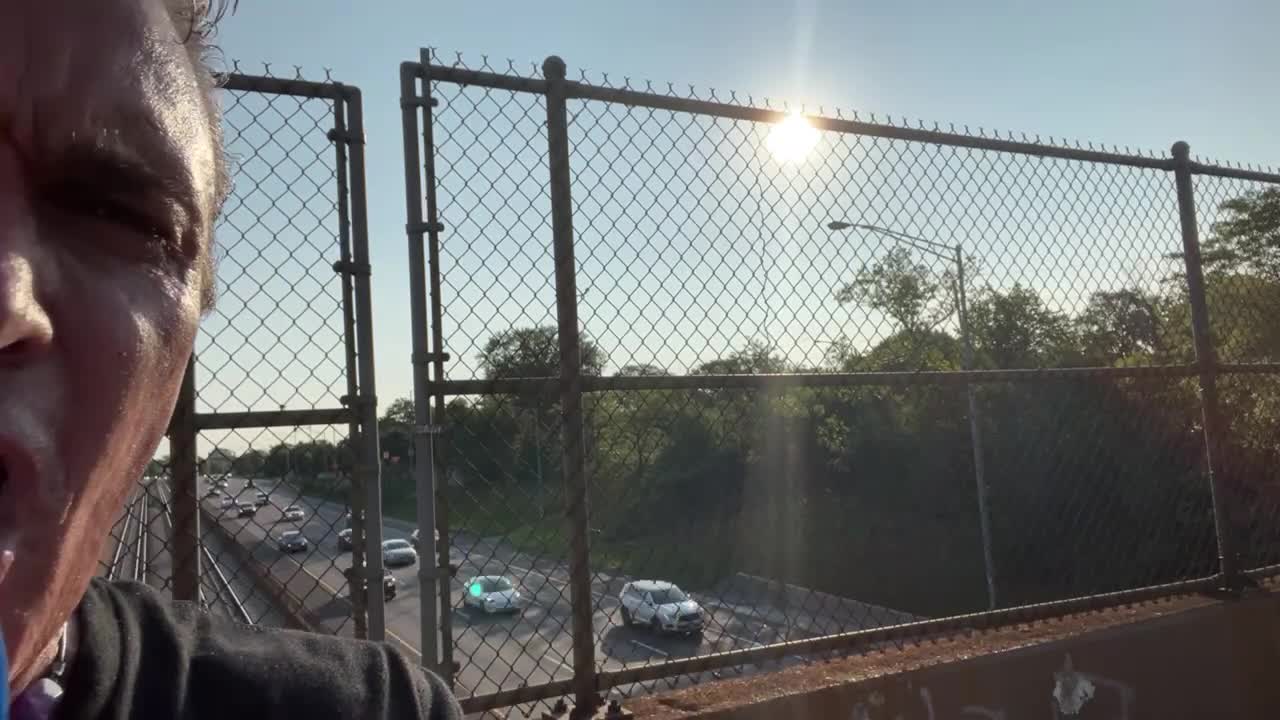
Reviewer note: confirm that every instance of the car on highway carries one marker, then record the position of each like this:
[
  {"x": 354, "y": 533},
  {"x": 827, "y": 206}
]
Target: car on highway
[
  {"x": 293, "y": 512},
  {"x": 228, "y": 501},
  {"x": 344, "y": 539},
  {"x": 389, "y": 583},
  {"x": 262, "y": 499},
  {"x": 414, "y": 539},
  {"x": 661, "y": 606},
  {"x": 212, "y": 492},
  {"x": 398, "y": 552},
  {"x": 292, "y": 541},
  {"x": 246, "y": 509},
  {"x": 492, "y": 594}
]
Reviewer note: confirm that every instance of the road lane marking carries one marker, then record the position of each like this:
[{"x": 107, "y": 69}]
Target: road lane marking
[{"x": 651, "y": 648}]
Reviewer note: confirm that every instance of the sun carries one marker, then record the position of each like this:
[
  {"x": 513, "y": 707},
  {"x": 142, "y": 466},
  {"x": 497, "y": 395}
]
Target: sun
[{"x": 791, "y": 140}]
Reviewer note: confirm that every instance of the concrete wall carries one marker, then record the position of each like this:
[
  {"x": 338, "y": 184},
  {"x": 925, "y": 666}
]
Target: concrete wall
[{"x": 1187, "y": 657}]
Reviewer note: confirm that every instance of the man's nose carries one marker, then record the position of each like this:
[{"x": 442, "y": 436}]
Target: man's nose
[{"x": 26, "y": 329}]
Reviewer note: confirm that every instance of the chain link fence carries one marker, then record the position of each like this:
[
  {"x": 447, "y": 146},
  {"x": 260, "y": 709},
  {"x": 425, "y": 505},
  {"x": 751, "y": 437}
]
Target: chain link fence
[
  {"x": 714, "y": 384},
  {"x": 705, "y": 385},
  {"x": 248, "y": 510}
]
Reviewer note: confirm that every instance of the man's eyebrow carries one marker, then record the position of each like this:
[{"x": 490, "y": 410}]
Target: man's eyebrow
[{"x": 108, "y": 159}]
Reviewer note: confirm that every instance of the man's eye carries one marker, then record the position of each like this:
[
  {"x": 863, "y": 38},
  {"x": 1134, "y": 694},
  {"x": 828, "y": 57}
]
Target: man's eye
[{"x": 116, "y": 212}]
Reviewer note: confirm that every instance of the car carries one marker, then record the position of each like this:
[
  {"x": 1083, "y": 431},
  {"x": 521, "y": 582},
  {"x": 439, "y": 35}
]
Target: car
[
  {"x": 344, "y": 539},
  {"x": 293, "y": 541},
  {"x": 228, "y": 501},
  {"x": 660, "y": 605},
  {"x": 414, "y": 539},
  {"x": 221, "y": 483},
  {"x": 398, "y": 552},
  {"x": 293, "y": 512},
  {"x": 246, "y": 509},
  {"x": 262, "y": 499},
  {"x": 212, "y": 493},
  {"x": 492, "y": 594},
  {"x": 389, "y": 583}
]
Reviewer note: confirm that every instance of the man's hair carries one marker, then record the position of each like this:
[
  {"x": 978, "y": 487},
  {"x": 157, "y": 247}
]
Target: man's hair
[{"x": 196, "y": 21}]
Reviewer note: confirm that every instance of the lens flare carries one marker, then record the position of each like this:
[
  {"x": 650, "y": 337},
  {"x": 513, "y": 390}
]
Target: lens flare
[{"x": 791, "y": 140}]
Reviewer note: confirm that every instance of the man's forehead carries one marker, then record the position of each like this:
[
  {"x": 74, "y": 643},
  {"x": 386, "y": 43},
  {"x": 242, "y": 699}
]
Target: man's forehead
[{"x": 111, "y": 74}]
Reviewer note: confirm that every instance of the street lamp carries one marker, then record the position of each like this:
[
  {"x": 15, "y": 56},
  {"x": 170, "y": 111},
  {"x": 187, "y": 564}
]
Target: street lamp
[{"x": 953, "y": 254}]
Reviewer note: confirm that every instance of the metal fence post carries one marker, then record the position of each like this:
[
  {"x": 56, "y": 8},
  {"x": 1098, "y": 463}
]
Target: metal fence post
[
  {"x": 440, "y": 518},
  {"x": 423, "y": 467},
  {"x": 574, "y": 457},
  {"x": 185, "y": 540},
  {"x": 355, "y": 497},
  {"x": 1206, "y": 360},
  {"x": 369, "y": 460}
]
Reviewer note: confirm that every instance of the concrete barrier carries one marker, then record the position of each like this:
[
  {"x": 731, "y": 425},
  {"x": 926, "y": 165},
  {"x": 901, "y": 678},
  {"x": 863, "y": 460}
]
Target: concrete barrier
[
  {"x": 294, "y": 610},
  {"x": 804, "y": 611},
  {"x": 1187, "y": 656}
]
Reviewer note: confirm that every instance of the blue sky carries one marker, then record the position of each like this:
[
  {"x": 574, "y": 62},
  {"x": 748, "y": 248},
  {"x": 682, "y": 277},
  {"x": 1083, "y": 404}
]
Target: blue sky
[{"x": 1141, "y": 73}]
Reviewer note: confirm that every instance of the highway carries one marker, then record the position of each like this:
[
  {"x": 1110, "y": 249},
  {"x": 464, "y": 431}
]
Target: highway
[{"x": 505, "y": 651}]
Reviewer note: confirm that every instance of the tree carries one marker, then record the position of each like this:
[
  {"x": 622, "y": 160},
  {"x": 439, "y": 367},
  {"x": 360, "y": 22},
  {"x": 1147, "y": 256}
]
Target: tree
[
  {"x": 395, "y": 430},
  {"x": 1248, "y": 238},
  {"x": 250, "y": 463},
  {"x": 1014, "y": 329},
  {"x": 532, "y": 352},
  {"x": 756, "y": 358},
  {"x": 641, "y": 370},
  {"x": 909, "y": 292},
  {"x": 399, "y": 413},
  {"x": 1120, "y": 324}
]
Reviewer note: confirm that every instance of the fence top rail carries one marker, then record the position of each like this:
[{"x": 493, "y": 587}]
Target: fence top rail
[
  {"x": 296, "y": 87},
  {"x": 580, "y": 90},
  {"x": 1236, "y": 173},
  {"x": 765, "y": 381}
]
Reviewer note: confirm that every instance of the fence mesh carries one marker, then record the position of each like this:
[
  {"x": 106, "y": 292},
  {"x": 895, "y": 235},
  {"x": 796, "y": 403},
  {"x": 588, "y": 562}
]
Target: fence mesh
[
  {"x": 705, "y": 250},
  {"x": 273, "y": 501},
  {"x": 730, "y": 514}
]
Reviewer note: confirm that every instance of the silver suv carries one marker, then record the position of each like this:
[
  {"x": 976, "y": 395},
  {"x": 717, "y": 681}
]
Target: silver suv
[{"x": 661, "y": 606}]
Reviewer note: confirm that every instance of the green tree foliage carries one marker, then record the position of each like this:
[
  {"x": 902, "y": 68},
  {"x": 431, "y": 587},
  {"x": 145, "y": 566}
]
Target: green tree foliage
[
  {"x": 906, "y": 290},
  {"x": 1247, "y": 239},
  {"x": 1015, "y": 329},
  {"x": 868, "y": 491}
]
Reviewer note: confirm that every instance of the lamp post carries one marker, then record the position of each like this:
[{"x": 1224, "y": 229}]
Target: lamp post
[{"x": 953, "y": 254}]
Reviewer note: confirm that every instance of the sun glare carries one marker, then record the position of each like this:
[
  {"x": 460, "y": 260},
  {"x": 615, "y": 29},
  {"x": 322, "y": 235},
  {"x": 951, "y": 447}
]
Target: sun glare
[{"x": 791, "y": 140}]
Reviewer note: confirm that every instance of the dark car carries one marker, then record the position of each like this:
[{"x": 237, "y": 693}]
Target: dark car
[
  {"x": 246, "y": 510},
  {"x": 389, "y": 583},
  {"x": 344, "y": 539},
  {"x": 292, "y": 541}
]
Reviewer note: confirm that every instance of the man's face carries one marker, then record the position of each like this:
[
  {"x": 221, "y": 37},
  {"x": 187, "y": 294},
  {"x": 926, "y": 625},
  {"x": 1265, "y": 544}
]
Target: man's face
[{"x": 107, "y": 184}]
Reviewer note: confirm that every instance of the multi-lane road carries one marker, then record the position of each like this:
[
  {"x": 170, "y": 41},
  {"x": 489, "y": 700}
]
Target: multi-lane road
[{"x": 535, "y": 646}]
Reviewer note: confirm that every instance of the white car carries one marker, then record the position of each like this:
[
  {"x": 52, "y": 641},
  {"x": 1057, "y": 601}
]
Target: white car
[
  {"x": 491, "y": 594},
  {"x": 398, "y": 552},
  {"x": 293, "y": 512},
  {"x": 661, "y": 606}
]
